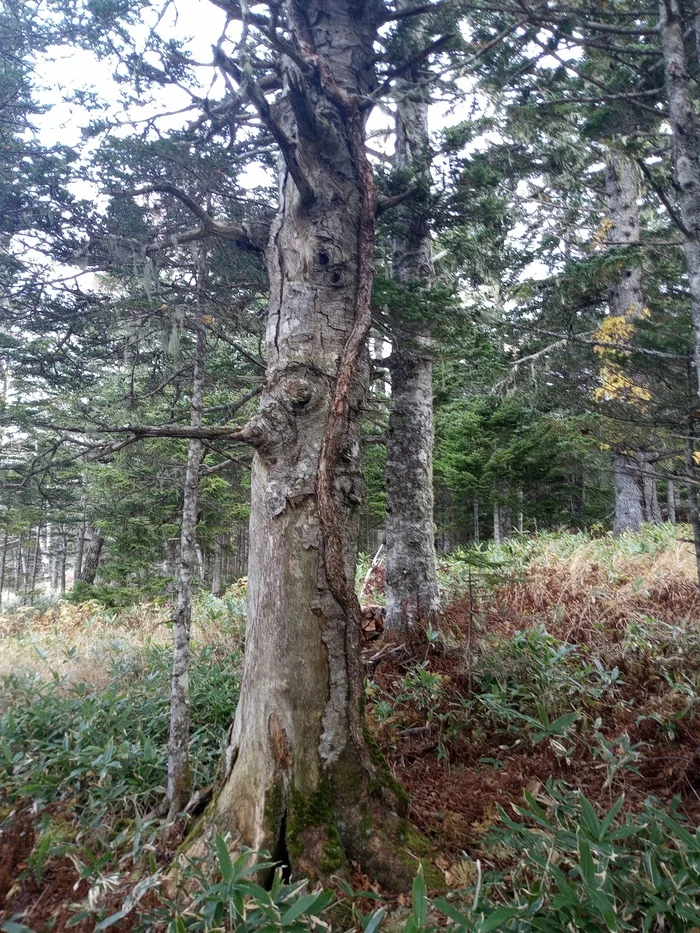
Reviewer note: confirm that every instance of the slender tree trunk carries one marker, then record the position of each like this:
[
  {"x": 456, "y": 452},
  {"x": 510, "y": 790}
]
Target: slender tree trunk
[
  {"x": 411, "y": 570},
  {"x": 693, "y": 511},
  {"x": 671, "y": 500},
  {"x": 686, "y": 152},
  {"x": 62, "y": 558},
  {"x": 18, "y": 567},
  {"x": 521, "y": 517},
  {"x": 3, "y": 564},
  {"x": 298, "y": 777},
  {"x": 217, "y": 567},
  {"x": 476, "y": 521},
  {"x": 37, "y": 557},
  {"x": 170, "y": 565},
  {"x": 80, "y": 546},
  {"x": 179, "y": 782},
  {"x": 91, "y": 557},
  {"x": 635, "y": 483},
  {"x": 496, "y": 523},
  {"x": 646, "y": 466},
  {"x": 52, "y": 543},
  {"x": 505, "y": 521}
]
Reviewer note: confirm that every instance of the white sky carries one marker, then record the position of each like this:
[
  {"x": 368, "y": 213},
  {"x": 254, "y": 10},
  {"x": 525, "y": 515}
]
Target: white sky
[{"x": 199, "y": 24}]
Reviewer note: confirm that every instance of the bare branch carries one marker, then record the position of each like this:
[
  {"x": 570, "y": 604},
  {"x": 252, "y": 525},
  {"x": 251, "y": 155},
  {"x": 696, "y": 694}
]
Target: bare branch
[
  {"x": 210, "y": 226},
  {"x": 408, "y": 64},
  {"x": 287, "y": 146}
]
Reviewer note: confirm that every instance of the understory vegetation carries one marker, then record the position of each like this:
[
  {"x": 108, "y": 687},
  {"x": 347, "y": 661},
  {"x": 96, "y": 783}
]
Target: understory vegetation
[{"x": 546, "y": 728}]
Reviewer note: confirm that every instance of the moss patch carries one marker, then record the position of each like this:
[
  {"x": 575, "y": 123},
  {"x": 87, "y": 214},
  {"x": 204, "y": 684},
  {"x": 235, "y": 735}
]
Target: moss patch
[
  {"x": 312, "y": 832},
  {"x": 384, "y": 778}
]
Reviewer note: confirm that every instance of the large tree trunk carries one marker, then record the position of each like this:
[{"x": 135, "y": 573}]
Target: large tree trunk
[
  {"x": 686, "y": 154},
  {"x": 635, "y": 482},
  {"x": 629, "y": 507},
  {"x": 411, "y": 572},
  {"x": 299, "y": 778},
  {"x": 91, "y": 557},
  {"x": 178, "y": 743},
  {"x": 3, "y": 564},
  {"x": 636, "y": 499}
]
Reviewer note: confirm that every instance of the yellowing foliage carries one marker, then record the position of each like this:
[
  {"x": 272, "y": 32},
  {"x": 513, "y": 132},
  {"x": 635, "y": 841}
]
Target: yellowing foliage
[
  {"x": 601, "y": 234},
  {"x": 618, "y": 330},
  {"x": 615, "y": 384},
  {"x": 614, "y": 329}
]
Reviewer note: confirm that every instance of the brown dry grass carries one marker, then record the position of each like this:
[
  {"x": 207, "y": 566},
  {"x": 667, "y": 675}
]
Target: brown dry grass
[
  {"x": 79, "y": 643},
  {"x": 601, "y": 586}
]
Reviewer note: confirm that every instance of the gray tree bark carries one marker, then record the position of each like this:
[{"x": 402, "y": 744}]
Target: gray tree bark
[
  {"x": 80, "y": 547},
  {"x": 521, "y": 517},
  {"x": 298, "y": 778},
  {"x": 686, "y": 153},
  {"x": 217, "y": 566},
  {"x": 636, "y": 499},
  {"x": 633, "y": 468},
  {"x": 179, "y": 781},
  {"x": 411, "y": 570},
  {"x": 3, "y": 565},
  {"x": 91, "y": 556},
  {"x": 502, "y": 523},
  {"x": 671, "y": 500},
  {"x": 37, "y": 558},
  {"x": 693, "y": 510}
]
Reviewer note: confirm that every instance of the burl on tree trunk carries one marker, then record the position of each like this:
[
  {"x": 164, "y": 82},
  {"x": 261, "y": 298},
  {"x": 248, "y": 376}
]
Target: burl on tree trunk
[{"x": 301, "y": 777}]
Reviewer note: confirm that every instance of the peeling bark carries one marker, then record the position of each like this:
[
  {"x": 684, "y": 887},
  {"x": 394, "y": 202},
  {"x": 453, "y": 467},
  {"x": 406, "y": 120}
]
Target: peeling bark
[{"x": 299, "y": 777}]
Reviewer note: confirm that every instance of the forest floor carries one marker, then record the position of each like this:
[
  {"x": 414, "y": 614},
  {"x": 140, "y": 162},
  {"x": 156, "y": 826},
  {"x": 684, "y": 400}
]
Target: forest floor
[{"x": 546, "y": 728}]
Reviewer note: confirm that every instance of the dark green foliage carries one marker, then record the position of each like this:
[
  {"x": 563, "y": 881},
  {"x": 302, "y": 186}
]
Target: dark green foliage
[{"x": 107, "y": 749}]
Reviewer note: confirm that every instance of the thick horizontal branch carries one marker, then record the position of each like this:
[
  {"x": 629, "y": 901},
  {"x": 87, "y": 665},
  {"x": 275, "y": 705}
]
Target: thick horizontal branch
[
  {"x": 212, "y": 432},
  {"x": 386, "y": 203},
  {"x": 410, "y": 63},
  {"x": 209, "y": 226}
]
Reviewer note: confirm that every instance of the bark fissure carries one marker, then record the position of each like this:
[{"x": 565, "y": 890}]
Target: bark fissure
[{"x": 297, "y": 769}]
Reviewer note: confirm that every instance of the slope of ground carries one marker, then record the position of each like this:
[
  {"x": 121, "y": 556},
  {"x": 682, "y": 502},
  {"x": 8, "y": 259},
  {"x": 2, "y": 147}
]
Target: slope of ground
[{"x": 561, "y": 682}]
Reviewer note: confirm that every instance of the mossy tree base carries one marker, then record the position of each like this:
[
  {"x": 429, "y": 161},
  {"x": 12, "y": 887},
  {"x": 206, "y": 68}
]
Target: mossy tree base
[{"x": 318, "y": 835}]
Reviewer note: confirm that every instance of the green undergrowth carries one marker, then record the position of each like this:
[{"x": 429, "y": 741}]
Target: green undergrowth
[
  {"x": 90, "y": 764},
  {"x": 590, "y": 846},
  {"x": 575, "y": 867}
]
